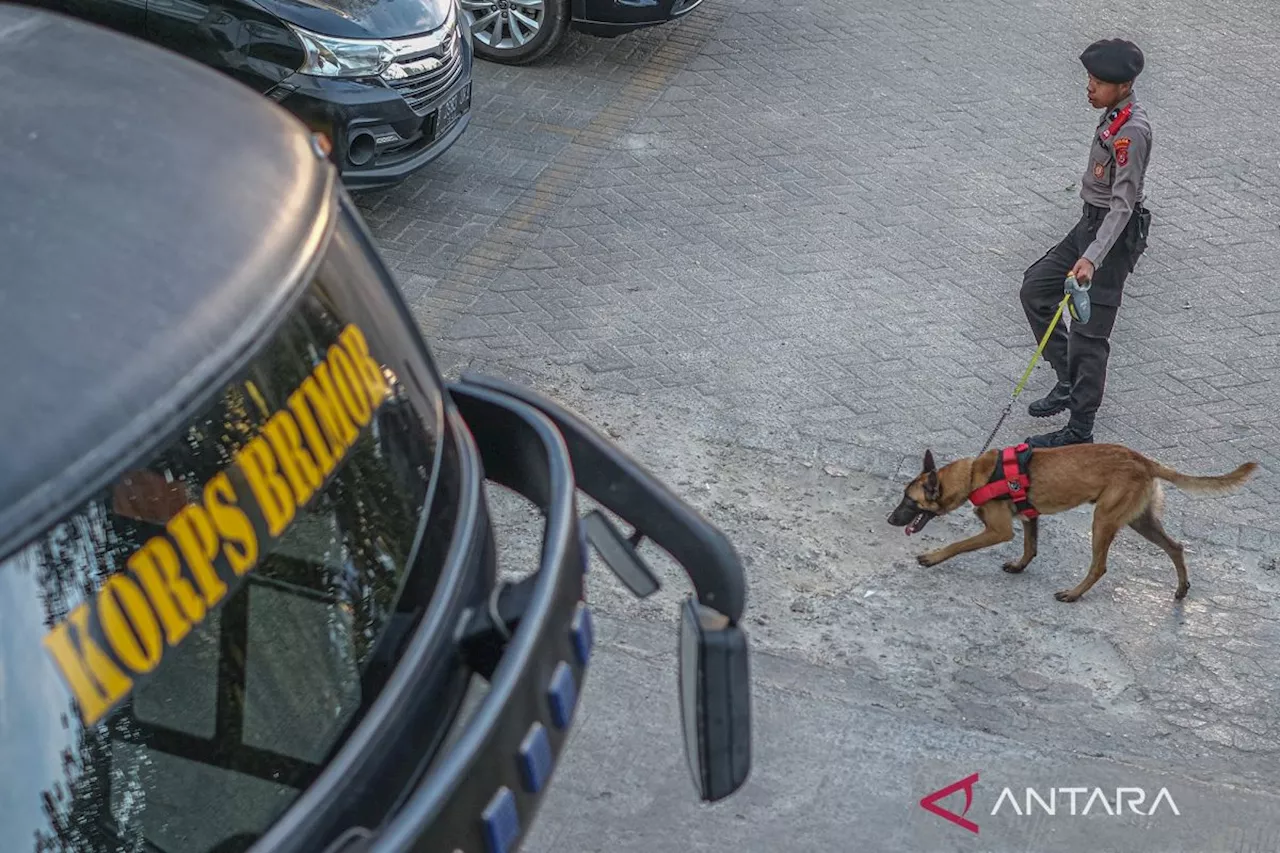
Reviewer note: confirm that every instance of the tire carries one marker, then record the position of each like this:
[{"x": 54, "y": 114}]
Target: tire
[{"x": 495, "y": 39}]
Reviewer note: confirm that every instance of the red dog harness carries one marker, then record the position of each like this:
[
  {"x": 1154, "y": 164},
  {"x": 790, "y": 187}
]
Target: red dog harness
[{"x": 1009, "y": 480}]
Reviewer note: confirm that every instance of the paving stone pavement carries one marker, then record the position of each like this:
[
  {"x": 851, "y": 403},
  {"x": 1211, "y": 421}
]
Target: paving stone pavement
[{"x": 810, "y": 220}]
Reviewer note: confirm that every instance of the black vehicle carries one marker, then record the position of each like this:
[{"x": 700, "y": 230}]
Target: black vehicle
[
  {"x": 387, "y": 82},
  {"x": 517, "y": 32},
  {"x": 247, "y": 565}
]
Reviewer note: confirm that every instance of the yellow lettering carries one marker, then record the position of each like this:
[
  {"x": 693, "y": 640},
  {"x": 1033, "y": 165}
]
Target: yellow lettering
[
  {"x": 299, "y": 467},
  {"x": 375, "y": 381},
  {"x": 329, "y": 410},
  {"x": 269, "y": 488},
  {"x": 193, "y": 530},
  {"x": 241, "y": 548},
  {"x": 96, "y": 682},
  {"x": 157, "y": 567},
  {"x": 159, "y": 602},
  {"x": 350, "y": 387},
  {"x": 129, "y": 624},
  {"x": 319, "y": 447}
]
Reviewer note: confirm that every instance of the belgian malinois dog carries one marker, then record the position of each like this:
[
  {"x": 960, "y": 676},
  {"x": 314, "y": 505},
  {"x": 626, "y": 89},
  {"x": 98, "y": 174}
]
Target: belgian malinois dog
[{"x": 1122, "y": 484}]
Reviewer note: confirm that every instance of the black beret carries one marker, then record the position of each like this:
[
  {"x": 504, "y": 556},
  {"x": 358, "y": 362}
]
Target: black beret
[{"x": 1113, "y": 60}]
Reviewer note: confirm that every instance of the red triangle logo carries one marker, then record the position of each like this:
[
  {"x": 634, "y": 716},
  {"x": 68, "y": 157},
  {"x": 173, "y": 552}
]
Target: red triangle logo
[{"x": 930, "y": 803}]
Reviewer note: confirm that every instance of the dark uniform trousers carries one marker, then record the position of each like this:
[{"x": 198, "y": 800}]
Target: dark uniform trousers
[{"x": 1079, "y": 357}]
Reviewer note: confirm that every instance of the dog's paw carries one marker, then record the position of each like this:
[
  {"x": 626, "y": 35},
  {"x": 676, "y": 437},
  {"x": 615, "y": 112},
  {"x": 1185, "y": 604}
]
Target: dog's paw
[
  {"x": 1013, "y": 567},
  {"x": 930, "y": 559},
  {"x": 1066, "y": 595},
  {"x": 1181, "y": 592}
]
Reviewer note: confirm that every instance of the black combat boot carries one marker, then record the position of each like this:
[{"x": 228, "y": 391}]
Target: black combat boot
[
  {"x": 1057, "y": 400},
  {"x": 1079, "y": 430}
]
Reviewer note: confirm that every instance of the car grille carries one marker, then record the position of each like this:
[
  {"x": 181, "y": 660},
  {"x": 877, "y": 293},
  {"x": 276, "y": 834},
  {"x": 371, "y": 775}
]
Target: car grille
[{"x": 423, "y": 75}]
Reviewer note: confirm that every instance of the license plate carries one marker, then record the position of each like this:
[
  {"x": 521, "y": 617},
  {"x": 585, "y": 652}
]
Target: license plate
[{"x": 452, "y": 110}]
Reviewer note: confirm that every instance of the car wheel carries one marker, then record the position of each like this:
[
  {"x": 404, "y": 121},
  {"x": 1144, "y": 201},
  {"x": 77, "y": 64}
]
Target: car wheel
[{"x": 516, "y": 32}]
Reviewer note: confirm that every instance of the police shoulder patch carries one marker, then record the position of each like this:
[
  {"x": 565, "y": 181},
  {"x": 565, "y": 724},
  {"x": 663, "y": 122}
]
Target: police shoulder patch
[{"x": 1122, "y": 150}]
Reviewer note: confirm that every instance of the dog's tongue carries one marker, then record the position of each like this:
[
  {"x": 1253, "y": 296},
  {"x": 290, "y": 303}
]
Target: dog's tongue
[{"x": 914, "y": 525}]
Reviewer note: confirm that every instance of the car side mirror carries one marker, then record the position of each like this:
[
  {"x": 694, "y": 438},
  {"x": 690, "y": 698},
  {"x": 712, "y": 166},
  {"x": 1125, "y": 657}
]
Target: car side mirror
[{"x": 715, "y": 700}]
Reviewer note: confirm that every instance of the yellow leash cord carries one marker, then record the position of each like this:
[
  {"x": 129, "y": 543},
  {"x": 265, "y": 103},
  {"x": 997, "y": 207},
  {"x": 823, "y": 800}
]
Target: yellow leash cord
[{"x": 1044, "y": 341}]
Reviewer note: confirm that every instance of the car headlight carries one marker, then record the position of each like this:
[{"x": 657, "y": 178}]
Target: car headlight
[{"x": 329, "y": 56}]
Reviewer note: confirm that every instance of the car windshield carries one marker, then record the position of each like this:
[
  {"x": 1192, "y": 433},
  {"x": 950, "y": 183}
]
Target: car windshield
[{"x": 181, "y": 653}]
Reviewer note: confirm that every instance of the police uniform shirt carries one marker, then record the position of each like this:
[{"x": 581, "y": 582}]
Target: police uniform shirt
[{"x": 1115, "y": 174}]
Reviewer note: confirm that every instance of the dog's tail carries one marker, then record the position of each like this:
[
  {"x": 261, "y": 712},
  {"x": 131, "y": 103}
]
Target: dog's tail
[{"x": 1207, "y": 485}]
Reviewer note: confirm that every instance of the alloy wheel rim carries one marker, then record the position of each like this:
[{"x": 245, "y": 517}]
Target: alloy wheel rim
[{"x": 504, "y": 24}]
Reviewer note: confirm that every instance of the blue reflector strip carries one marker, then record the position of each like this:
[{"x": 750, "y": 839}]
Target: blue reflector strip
[
  {"x": 563, "y": 693},
  {"x": 535, "y": 758},
  {"x": 583, "y": 633},
  {"x": 501, "y": 822}
]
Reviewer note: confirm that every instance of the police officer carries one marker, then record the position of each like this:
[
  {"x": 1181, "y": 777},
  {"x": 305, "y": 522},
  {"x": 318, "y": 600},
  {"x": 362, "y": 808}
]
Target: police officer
[{"x": 1100, "y": 250}]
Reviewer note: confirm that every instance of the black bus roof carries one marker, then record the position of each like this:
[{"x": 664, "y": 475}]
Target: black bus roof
[{"x": 115, "y": 312}]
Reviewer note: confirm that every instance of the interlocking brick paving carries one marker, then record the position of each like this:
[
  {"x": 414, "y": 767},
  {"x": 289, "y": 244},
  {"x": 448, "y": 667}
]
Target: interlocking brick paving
[{"x": 811, "y": 220}]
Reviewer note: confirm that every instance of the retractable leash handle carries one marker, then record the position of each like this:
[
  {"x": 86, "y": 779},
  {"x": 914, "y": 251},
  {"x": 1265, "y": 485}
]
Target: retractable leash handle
[{"x": 1080, "y": 306}]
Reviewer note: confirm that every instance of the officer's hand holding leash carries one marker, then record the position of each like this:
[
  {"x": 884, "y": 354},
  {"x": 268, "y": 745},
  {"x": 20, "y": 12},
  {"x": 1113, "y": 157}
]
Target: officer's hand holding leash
[{"x": 1083, "y": 270}]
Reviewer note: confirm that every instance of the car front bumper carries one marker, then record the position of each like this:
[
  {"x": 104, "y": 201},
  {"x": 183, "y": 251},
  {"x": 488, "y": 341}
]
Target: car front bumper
[
  {"x": 378, "y": 138},
  {"x": 614, "y": 17}
]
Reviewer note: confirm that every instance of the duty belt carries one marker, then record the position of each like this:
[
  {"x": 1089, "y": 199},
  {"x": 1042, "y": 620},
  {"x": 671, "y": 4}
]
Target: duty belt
[{"x": 1093, "y": 211}]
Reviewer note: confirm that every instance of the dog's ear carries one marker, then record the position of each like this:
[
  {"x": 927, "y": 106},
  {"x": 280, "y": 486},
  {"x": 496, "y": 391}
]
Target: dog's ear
[
  {"x": 928, "y": 462},
  {"x": 932, "y": 488}
]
